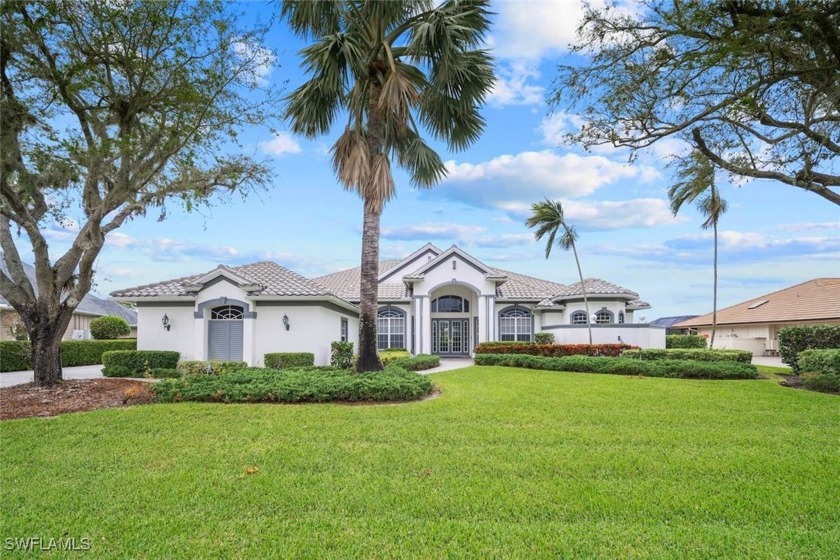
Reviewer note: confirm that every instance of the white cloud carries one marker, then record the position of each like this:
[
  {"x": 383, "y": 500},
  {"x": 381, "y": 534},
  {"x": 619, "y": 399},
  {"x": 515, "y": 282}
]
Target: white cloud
[
  {"x": 260, "y": 58},
  {"x": 431, "y": 230},
  {"x": 555, "y": 126},
  {"x": 282, "y": 143},
  {"x": 530, "y": 30},
  {"x": 513, "y": 88}
]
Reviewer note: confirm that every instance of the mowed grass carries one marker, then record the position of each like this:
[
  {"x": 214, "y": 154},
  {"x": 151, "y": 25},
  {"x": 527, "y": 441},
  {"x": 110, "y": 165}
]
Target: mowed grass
[{"x": 506, "y": 463}]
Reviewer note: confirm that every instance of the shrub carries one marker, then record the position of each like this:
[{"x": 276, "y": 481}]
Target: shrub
[
  {"x": 285, "y": 360},
  {"x": 212, "y": 367},
  {"x": 685, "y": 341},
  {"x": 793, "y": 340},
  {"x": 827, "y": 382},
  {"x": 137, "y": 362},
  {"x": 392, "y": 354},
  {"x": 418, "y": 362},
  {"x": 551, "y": 350},
  {"x": 341, "y": 354},
  {"x": 820, "y": 369},
  {"x": 162, "y": 373},
  {"x": 744, "y": 356},
  {"x": 686, "y": 369},
  {"x": 15, "y": 355},
  {"x": 307, "y": 384},
  {"x": 544, "y": 338},
  {"x": 109, "y": 327}
]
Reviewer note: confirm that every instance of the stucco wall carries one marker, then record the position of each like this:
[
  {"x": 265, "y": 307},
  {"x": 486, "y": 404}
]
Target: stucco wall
[
  {"x": 181, "y": 334},
  {"x": 644, "y": 336}
]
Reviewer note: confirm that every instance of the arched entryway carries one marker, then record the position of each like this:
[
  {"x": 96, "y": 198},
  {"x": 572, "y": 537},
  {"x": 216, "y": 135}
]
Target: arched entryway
[
  {"x": 225, "y": 333},
  {"x": 453, "y": 323}
]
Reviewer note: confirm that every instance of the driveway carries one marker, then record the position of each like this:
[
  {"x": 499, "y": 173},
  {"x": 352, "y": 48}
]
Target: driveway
[{"x": 9, "y": 378}]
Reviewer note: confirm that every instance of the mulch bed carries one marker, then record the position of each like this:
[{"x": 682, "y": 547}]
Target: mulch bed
[{"x": 73, "y": 395}]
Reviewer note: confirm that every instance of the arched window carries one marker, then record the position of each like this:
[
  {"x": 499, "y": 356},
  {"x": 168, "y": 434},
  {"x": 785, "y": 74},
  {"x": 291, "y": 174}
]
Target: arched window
[
  {"x": 227, "y": 313},
  {"x": 621, "y": 317},
  {"x": 515, "y": 324},
  {"x": 450, "y": 304},
  {"x": 390, "y": 328},
  {"x": 578, "y": 318},
  {"x": 603, "y": 317}
]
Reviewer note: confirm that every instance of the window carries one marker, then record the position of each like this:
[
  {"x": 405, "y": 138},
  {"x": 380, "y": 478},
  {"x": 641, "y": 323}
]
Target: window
[
  {"x": 603, "y": 317},
  {"x": 621, "y": 317},
  {"x": 515, "y": 325},
  {"x": 450, "y": 304},
  {"x": 227, "y": 313},
  {"x": 390, "y": 329},
  {"x": 579, "y": 318},
  {"x": 344, "y": 329}
]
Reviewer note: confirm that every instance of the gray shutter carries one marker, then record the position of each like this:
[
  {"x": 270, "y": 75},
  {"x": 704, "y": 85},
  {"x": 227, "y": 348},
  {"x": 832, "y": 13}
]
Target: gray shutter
[
  {"x": 224, "y": 340},
  {"x": 237, "y": 330}
]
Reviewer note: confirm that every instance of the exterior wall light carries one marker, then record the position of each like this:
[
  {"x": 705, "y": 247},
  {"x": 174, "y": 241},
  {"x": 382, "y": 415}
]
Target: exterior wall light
[
  {"x": 286, "y": 321},
  {"x": 165, "y": 321}
]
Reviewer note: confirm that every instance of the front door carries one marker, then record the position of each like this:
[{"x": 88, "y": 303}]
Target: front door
[{"x": 450, "y": 336}]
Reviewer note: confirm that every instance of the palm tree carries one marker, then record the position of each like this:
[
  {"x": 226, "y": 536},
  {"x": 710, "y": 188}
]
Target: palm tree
[
  {"x": 547, "y": 216},
  {"x": 696, "y": 183},
  {"x": 390, "y": 68}
]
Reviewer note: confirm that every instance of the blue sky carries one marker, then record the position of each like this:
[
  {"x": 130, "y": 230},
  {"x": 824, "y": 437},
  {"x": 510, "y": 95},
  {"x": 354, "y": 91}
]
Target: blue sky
[{"x": 773, "y": 236}]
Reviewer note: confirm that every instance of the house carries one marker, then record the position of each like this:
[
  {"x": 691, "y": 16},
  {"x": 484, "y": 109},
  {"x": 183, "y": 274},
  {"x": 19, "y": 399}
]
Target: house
[
  {"x": 89, "y": 308},
  {"x": 669, "y": 322},
  {"x": 754, "y": 324},
  {"x": 432, "y": 301}
]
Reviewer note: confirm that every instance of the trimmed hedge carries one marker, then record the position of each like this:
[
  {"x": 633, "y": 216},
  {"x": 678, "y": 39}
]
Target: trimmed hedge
[
  {"x": 551, "y": 350},
  {"x": 135, "y": 363},
  {"x": 820, "y": 369},
  {"x": 109, "y": 327},
  {"x": 212, "y": 367},
  {"x": 388, "y": 356},
  {"x": 15, "y": 355},
  {"x": 544, "y": 338},
  {"x": 685, "y": 341},
  {"x": 418, "y": 363},
  {"x": 285, "y": 360},
  {"x": 743, "y": 356},
  {"x": 793, "y": 340},
  {"x": 309, "y": 384},
  {"x": 826, "y": 383},
  {"x": 341, "y": 354},
  {"x": 685, "y": 369}
]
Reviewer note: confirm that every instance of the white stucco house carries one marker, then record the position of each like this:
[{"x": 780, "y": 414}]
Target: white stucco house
[{"x": 433, "y": 302}]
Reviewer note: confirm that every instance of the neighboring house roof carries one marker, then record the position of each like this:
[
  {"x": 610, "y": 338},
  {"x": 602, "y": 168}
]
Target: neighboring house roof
[
  {"x": 259, "y": 279},
  {"x": 90, "y": 304},
  {"x": 814, "y": 300},
  {"x": 669, "y": 322}
]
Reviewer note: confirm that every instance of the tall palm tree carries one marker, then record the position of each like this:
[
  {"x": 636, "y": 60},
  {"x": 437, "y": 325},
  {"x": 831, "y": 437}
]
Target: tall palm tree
[
  {"x": 547, "y": 217},
  {"x": 696, "y": 183},
  {"x": 390, "y": 68}
]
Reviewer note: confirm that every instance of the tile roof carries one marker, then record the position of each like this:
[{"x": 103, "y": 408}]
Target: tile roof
[
  {"x": 596, "y": 286},
  {"x": 521, "y": 286},
  {"x": 275, "y": 280},
  {"x": 671, "y": 321},
  {"x": 90, "y": 304},
  {"x": 814, "y": 300},
  {"x": 345, "y": 283}
]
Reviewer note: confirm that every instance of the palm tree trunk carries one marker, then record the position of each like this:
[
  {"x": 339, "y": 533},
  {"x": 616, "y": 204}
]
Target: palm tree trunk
[
  {"x": 714, "y": 287},
  {"x": 585, "y": 298},
  {"x": 368, "y": 356}
]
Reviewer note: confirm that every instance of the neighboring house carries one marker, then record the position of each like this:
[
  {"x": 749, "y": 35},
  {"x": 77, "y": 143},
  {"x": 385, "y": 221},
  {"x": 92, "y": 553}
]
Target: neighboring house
[
  {"x": 433, "y": 302},
  {"x": 669, "y": 322},
  {"x": 754, "y": 324},
  {"x": 89, "y": 308}
]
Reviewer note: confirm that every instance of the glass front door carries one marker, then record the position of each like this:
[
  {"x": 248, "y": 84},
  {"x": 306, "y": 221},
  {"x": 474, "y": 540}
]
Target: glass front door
[{"x": 450, "y": 336}]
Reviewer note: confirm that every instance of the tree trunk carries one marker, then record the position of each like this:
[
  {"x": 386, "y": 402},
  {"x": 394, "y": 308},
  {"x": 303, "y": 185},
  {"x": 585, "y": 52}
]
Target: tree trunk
[
  {"x": 368, "y": 356},
  {"x": 714, "y": 287},
  {"x": 585, "y": 299},
  {"x": 45, "y": 340}
]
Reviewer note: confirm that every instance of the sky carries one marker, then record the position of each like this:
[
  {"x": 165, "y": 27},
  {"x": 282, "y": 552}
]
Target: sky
[{"x": 773, "y": 236}]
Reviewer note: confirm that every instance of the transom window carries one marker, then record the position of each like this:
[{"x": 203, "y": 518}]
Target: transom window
[
  {"x": 579, "y": 318},
  {"x": 515, "y": 325},
  {"x": 227, "y": 313},
  {"x": 450, "y": 304},
  {"x": 390, "y": 329},
  {"x": 603, "y": 317}
]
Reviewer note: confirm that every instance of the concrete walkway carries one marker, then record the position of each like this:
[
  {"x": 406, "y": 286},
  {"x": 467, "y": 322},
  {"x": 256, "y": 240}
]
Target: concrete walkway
[
  {"x": 9, "y": 378},
  {"x": 769, "y": 361},
  {"x": 447, "y": 364}
]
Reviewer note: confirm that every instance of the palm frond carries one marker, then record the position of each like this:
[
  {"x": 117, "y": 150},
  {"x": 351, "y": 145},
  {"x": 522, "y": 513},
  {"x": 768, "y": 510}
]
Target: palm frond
[
  {"x": 311, "y": 109},
  {"x": 310, "y": 19},
  {"x": 424, "y": 165},
  {"x": 351, "y": 159},
  {"x": 380, "y": 187}
]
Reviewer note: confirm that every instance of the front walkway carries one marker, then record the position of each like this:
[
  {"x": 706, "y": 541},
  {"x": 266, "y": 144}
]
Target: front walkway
[
  {"x": 447, "y": 364},
  {"x": 9, "y": 378}
]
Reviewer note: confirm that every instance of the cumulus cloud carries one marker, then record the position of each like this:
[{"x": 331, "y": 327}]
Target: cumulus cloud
[
  {"x": 431, "y": 230},
  {"x": 555, "y": 126},
  {"x": 282, "y": 143},
  {"x": 261, "y": 59},
  {"x": 531, "y": 30},
  {"x": 512, "y": 86}
]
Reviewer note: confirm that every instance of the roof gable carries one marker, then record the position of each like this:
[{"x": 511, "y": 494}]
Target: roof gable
[
  {"x": 411, "y": 262},
  {"x": 456, "y": 251}
]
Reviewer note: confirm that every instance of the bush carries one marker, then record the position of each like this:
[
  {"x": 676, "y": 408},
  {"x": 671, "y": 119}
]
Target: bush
[
  {"x": 285, "y": 360},
  {"x": 308, "y": 384},
  {"x": 820, "y": 369},
  {"x": 135, "y": 363},
  {"x": 212, "y": 367},
  {"x": 163, "y": 373},
  {"x": 826, "y": 383},
  {"x": 743, "y": 356},
  {"x": 109, "y": 327},
  {"x": 686, "y": 369},
  {"x": 551, "y": 350},
  {"x": 393, "y": 354},
  {"x": 341, "y": 354},
  {"x": 15, "y": 355},
  {"x": 685, "y": 341},
  {"x": 544, "y": 338},
  {"x": 418, "y": 363},
  {"x": 793, "y": 340}
]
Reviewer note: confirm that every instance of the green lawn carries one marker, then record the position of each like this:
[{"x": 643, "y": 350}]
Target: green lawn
[{"x": 505, "y": 464}]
